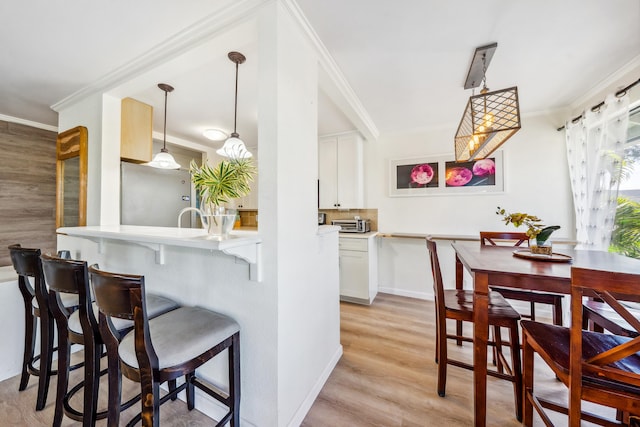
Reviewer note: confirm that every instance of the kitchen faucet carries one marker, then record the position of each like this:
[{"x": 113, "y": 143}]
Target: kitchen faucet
[{"x": 205, "y": 225}]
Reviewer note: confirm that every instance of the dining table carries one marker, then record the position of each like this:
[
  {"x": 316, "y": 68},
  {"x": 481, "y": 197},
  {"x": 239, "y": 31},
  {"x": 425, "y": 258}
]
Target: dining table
[{"x": 511, "y": 267}]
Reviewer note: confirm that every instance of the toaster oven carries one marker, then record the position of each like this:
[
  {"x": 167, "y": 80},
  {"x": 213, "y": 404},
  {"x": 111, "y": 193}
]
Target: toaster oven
[{"x": 353, "y": 225}]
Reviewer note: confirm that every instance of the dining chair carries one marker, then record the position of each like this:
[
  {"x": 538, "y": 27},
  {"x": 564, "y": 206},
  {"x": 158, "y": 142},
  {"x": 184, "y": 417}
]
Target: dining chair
[
  {"x": 495, "y": 238},
  {"x": 66, "y": 279},
  {"x": 603, "y": 368},
  {"x": 598, "y": 316},
  {"x": 26, "y": 262},
  {"x": 457, "y": 304},
  {"x": 163, "y": 349}
]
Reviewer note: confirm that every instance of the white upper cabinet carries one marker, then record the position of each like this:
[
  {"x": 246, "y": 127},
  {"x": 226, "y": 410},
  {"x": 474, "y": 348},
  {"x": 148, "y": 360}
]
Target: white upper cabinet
[{"x": 340, "y": 171}]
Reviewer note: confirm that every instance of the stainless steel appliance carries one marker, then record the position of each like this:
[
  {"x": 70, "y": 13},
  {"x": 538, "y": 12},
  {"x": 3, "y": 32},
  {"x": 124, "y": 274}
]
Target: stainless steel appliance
[
  {"x": 322, "y": 218},
  {"x": 353, "y": 225},
  {"x": 154, "y": 197}
]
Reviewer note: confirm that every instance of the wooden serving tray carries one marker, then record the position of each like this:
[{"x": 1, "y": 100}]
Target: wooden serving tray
[{"x": 554, "y": 257}]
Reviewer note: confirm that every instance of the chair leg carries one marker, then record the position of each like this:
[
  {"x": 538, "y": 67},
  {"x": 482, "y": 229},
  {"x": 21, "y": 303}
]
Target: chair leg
[
  {"x": 442, "y": 358},
  {"x": 29, "y": 345},
  {"x": 234, "y": 380},
  {"x": 64, "y": 354},
  {"x": 172, "y": 388},
  {"x": 191, "y": 395},
  {"x": 46, "y": 348},
  {"x": 92, "y": 354},
  {"x": 150, "y": 398},
  {"x": 516, "y": 367},
  {"x": 527, "y": 386},
  {"x": 532, "y": 307},
  {"x": 115, "y": 384},
  {"x": 557, "y": 311},
  {"x": 497, "y": 349}
]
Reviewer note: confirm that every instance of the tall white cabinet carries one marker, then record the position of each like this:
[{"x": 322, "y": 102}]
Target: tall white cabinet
[{"x": 341, "y": 171}]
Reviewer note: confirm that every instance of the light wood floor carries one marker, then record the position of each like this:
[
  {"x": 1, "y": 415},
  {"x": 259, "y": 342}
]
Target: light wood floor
[{"x": 386, "y": 377}]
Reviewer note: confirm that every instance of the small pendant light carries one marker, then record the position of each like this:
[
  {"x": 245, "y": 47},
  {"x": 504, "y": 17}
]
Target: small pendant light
[
  {"x": 234, "y": 147},
  {"x": 164, "y": 160}
]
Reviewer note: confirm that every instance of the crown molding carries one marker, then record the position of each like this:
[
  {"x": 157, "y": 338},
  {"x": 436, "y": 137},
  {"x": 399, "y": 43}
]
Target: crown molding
[
  {"x": 612, "y": 79},
  {"x": 348, "y": 100},
  {"x": 28, "y": 123},
  {"x": 187, "y": 39}
]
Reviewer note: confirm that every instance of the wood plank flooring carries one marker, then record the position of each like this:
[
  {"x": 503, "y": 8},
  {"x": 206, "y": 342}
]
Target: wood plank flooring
[{"x": 386, "y": 378}]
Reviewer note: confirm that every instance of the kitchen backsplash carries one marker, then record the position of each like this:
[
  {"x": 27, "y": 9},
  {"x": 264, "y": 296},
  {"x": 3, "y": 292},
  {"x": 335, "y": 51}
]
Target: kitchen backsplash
[{"x": 370, "y": 214}]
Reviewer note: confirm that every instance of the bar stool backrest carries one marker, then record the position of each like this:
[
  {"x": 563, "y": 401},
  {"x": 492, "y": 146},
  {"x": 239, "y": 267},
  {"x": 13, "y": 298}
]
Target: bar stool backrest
[
  {"x": 123, "y": 296},
  {"x": 26, "y": 262},
  {"x": 71, "y": 277}
]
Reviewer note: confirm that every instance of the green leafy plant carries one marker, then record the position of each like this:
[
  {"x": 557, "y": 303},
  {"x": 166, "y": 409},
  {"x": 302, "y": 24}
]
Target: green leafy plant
[
  {"x": 229, "y": 179},
  {"x": 625, "y": 238},
  {"x": 535, "y": 228}
]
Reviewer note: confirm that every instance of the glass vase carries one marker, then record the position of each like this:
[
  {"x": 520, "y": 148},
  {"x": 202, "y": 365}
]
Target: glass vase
[
  {"x": 540, "y": 247},
  {"x": 220, "y": 221}
]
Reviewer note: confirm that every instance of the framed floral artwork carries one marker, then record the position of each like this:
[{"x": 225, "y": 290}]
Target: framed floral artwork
[{"x": 441, "y": 175}]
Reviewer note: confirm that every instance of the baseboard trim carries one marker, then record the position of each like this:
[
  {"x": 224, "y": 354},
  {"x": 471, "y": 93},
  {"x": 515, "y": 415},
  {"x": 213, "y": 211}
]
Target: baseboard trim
[
  {"x": 302, "y": 411},
  {"x": 404, "y": 293}
]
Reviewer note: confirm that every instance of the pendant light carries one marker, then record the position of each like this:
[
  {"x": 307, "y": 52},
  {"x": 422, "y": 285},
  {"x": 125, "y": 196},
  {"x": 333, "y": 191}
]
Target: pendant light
[
  {"x": 164, "y": 160},
  {"x": 234, "y": 147},
  {"x": 490, "y": 118}
]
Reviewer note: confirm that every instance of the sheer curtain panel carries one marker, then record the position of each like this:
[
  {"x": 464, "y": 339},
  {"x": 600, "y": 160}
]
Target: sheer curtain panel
[{"x": 595, "y": 151}]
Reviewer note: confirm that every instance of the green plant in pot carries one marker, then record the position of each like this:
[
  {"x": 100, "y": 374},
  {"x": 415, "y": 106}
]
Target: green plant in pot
[
  {"x": 217, "y": 186},
  {"x": 538, "y": 233}
]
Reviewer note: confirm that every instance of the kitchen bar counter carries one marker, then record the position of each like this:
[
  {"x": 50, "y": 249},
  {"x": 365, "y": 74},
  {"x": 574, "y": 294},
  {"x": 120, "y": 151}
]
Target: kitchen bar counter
[{"x": 240, "y": 243}]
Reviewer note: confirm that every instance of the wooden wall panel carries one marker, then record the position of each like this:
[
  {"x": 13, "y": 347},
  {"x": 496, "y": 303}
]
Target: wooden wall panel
[{"x": 27, "y": 188}]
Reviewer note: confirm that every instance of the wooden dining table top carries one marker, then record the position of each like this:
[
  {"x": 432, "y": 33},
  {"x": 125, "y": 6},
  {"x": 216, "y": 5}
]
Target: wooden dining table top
[{"x": 506, "y": 269}]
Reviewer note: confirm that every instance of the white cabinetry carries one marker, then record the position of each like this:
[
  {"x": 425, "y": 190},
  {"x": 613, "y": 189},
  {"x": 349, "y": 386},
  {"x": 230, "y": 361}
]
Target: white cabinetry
[
  {"x": 340, "y": 171},
  {"x": 358, "y": 268}
]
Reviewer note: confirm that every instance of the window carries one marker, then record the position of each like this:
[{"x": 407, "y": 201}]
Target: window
[{"x": 625, "y": 238}]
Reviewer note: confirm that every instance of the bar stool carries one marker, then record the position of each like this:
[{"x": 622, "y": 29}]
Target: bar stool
[
  {"x": 165, "y": 348},
  {"x": 26, "y": 262},
  {"x": 68, "y": 277}
]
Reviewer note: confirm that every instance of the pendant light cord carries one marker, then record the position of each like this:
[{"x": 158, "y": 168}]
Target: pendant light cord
[
  {"x": 235, "y": 111},
  {"x": 164, "y": 136}
]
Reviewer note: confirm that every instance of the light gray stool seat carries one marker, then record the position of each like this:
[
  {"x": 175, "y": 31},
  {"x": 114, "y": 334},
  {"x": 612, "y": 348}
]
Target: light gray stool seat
[
  {"x": 181, "y": 335},
  {"x": 156, "y": 305}
]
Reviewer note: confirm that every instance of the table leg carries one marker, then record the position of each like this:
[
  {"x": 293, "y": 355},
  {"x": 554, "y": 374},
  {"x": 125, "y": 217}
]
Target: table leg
[
  {"x": 459, "y": 286},
  {"x": 480, "y": 338}
]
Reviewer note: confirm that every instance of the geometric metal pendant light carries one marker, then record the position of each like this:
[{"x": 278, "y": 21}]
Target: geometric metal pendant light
[
  {"x": 489, "y": 118},
  {"x": 164, "y": 160},
  {"x": 234, "y": 147}
]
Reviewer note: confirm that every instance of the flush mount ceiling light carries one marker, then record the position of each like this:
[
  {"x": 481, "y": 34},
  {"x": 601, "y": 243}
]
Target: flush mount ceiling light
[
  {"x": 215, "y": 134},
  {"x": 164, "y": 160},
  {"x": 490, "y": 118},
  {"x": 234, "y": 147}
]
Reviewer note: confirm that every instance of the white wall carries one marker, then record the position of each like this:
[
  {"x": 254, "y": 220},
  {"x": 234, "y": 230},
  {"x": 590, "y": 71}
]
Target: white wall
[
  {"x": 536, "y": 180},
  {"x": 307, "y": 281}
]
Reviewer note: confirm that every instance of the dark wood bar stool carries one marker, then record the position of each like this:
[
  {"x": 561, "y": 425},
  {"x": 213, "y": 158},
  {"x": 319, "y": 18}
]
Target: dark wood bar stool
[
  {"x": 26, "y": 262},
  {"x": 457, "y": 304},
  {"x": 68, "y": 277},
  {"x": 163, "y": 349}
]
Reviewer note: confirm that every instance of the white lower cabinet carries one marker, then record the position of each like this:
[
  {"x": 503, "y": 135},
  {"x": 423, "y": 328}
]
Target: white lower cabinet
[{"x": 358, "y": 268}]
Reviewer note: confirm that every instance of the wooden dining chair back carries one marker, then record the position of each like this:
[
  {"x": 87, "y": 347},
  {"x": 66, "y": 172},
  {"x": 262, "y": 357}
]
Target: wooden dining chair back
[
  {"x": 598, "y": 367},
  {"x": 457, "y": 304},
  {"x": 165, "y": 348},
  {"x": 516, "y": 239}
]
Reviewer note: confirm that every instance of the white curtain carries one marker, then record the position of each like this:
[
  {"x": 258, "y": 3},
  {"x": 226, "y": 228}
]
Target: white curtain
[{"x": 595, "y": 151}]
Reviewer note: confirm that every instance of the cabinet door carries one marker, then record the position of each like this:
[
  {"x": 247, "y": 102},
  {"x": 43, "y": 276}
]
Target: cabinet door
[
  {"x": 328, "y": 172},
  {"x": 136, "y": 125},
  {"x": 354, "y": 277},
  {"x": 350, "y": 188}
]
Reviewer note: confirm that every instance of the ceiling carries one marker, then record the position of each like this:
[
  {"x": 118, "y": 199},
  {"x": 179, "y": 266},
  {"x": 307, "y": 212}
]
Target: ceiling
[{"x": 406, "y": 61}]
